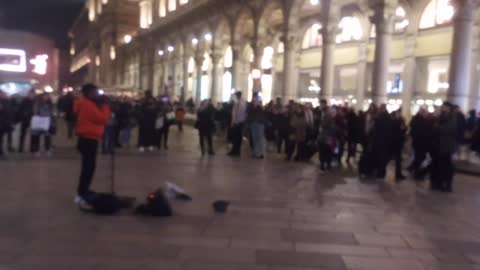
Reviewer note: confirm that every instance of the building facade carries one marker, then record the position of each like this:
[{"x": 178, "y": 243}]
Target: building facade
[{"x": 405, "y": 53}]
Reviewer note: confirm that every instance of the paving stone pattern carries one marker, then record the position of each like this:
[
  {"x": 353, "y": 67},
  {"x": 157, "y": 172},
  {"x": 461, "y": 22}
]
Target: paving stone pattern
[{"x": 283, "y": 216}]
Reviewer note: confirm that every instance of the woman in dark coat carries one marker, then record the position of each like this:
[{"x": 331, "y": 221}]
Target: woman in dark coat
[
  {"x": 205, "y": 123},
  {"x": 147, "y": 121}
]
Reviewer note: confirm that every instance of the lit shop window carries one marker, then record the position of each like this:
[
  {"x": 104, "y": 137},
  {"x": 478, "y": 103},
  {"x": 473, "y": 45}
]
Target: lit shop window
[
  {"x": 183, "y": 2},
  {"x": 350, "y": 29},
  {"x": 162, "y": 8},
  {"x": 172, "y": 5},
  {"x": 437, "y": 12},
  {"x": 145, "y": 14},
  {"x": 438, "y": 76},
  {"x": 313, "y": 37}
]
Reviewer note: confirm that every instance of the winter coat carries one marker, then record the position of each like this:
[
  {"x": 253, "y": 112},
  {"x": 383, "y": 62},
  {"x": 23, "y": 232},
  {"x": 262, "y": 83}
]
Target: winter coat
[
  {"x": 299, "y": 124},
  {"x": 91, "y": 119}
]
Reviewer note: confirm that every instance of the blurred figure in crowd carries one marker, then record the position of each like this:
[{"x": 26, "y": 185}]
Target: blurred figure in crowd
[
  {"x": 6, "y": 119},
  {"x": 257, "y": 119},
  {"x": 24, "y": 117},
  {"x": 239, "y": 116},
  {"x": 43, "y": 111},
  {"x": 180, "y": 116},
  {"x": 205, "y": 125},
  {"x": 399, "y": 131},
  {"x": 445, "y": 138},
  {"x": 150, "y": 123}
]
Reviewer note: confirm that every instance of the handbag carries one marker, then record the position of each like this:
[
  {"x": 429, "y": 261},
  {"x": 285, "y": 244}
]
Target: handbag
[
  {"x": 40, "y": 123},
  {"x": 170, "y": 116},
  {"x": 159, "y": 123}
]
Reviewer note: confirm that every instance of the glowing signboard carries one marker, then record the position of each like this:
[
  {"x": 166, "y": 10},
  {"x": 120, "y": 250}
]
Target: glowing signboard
[
  {"x": 13, "y": 60},
  {"x": 40, "y": 64}
]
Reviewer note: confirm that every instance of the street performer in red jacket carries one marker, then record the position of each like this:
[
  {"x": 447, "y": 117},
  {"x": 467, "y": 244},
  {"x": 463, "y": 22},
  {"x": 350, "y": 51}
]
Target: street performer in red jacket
[{"x": 92, "y": 115}]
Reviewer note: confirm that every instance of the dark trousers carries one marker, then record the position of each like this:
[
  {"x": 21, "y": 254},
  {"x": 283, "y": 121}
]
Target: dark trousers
[
  {"x": 441, "y": 172},
  {"x": 163, "y": 136},
  {"x": 289, "y": 148},
  {"x": 88, "y": 150},
  {"x": 108, "y": 140},
  {"x": 70, "y": 127},
  {"x": 1, "y": 142},
  {"x": 352, "y": 150},
  {"x": 397, "y": 156},
  {"x": 381, "y": 157},
  {"x": 35, "y": 142},
  {"x": 301, "y": 150},
  {"x": 341, "y": 149},
  {"x": 23, "y": 133},
  {"x": 237, "y": 136},
  {"x": 325, "y": 156},
  {"x": 282, "y": 138},
  {"x": 205, "y": 135},
  {"x": 180, "y": 125},
  {"x": 419, "y": 156}
]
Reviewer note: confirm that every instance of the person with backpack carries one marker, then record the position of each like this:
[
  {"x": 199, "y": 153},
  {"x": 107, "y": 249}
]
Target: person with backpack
[{"x": 92, "y": 113}]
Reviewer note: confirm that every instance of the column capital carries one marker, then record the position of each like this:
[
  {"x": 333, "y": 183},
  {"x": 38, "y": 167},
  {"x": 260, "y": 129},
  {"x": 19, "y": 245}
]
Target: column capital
[
  {"x": 465, "y": 9},
  {"x": 383, "y": 15}
]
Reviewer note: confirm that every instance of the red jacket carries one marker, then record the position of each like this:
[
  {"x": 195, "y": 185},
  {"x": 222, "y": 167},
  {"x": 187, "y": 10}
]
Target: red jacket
[{"x": 91, "y": 119}]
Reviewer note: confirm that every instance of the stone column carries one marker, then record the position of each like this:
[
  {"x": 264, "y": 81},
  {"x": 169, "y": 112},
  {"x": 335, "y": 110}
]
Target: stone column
[
  {"x": 460, "y": 58},
  {"x": 409, "y": 75},
  {"x": 383, "y": 18},
  {"x": 186, "y": 77},
  {"x": 236, "y": 64},
  {"x": 290, "y": 68},
  {"x": 330, "y": 19},
  {"x": 199, "y": 73},
  {"x": 257, "y": 64},
  {"x": 216, "y": 83},
  {"x": 361, "y": 75}
]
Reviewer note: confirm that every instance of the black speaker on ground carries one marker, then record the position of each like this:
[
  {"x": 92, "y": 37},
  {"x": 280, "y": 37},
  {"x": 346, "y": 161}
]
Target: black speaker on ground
[{"x": 157, "y": 205}]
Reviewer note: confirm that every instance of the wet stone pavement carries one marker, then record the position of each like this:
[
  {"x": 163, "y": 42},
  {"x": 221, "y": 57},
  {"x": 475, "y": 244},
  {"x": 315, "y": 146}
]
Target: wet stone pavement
[{"x": 283, "y": 216}]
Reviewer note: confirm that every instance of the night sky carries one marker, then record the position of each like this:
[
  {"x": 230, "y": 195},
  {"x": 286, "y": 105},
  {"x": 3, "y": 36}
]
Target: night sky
[{"x": 51, "y": 18}]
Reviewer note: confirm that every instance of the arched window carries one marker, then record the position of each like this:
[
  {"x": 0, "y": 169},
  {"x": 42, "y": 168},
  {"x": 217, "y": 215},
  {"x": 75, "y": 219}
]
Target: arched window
[
  {"x": 281, "y": 47},
  {"x": 436, "y": 13},
  {"x": 162, "y": 8},
  {"x": 228, "y": 58},
  {"x": 313, "y": 37},
  {"x": 183, "y": 2},
  {"x": 350, "y": 29},
  {"x": 401, "y": 20},
  {"x": 267, "y": 58}
]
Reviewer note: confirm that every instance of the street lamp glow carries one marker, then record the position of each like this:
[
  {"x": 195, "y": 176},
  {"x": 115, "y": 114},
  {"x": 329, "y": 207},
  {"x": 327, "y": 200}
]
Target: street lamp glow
[
  {"x": 127, "y": 39},
  {"x": 208, "y": 37},
  {"x": 194, "y": 41},
  {"x": 160, "y": 52},
  {"x": 170, "y": 48}
]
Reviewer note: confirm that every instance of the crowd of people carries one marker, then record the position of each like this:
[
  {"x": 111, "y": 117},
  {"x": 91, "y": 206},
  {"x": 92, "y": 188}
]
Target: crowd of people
[{"x": 339, "y": 134}]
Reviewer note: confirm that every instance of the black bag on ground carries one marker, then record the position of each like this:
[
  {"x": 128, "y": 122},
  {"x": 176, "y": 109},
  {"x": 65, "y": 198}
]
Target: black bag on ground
[
  {"x": 106, "y": 203},
  {"x": 157, "y": 205}
]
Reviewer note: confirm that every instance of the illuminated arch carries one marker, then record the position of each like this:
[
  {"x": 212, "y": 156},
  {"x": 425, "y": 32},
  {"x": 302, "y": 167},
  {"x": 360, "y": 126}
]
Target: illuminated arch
[
  {"x": 312, "y": 37},
  {"x": 437, "y": 12}
]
